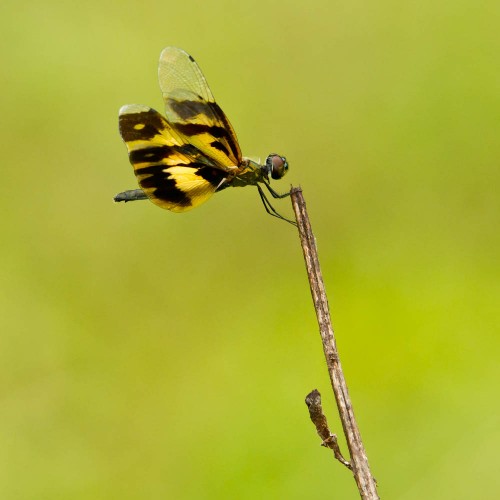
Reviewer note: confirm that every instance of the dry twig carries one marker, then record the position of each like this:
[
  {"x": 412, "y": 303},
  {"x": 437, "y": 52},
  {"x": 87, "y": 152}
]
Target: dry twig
[{"x": 359, "y": 462}]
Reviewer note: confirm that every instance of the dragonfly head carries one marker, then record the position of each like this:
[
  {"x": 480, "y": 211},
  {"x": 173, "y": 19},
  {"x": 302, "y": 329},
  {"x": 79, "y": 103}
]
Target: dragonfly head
[{"x": 276, "y": 165}]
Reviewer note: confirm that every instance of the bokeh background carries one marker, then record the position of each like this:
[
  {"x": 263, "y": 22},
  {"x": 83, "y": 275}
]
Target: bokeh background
[{"x": 149, "y": 355}]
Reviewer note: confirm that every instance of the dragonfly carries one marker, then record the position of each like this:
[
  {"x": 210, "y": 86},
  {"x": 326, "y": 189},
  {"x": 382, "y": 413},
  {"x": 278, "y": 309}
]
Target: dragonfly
[{"x": 183, "y": 158}]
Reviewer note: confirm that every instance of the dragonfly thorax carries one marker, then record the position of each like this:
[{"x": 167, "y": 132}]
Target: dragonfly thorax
[{"x": 250, "y": 172}]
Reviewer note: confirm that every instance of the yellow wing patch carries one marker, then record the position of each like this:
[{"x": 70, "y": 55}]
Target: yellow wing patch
[
  {"x": 193, "y": 186},
  {"x": 173, "y": 173}
]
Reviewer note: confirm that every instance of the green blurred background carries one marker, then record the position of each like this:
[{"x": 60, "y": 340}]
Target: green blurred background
[{"x": 149, "y": 355}]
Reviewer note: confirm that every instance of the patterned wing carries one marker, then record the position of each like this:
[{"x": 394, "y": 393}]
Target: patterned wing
[
  {"x": 173, "y": 173},
  {"x": 192, "y": 111}
]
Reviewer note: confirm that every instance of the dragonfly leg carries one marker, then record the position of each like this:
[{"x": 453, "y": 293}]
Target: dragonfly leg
[
  {"x": 274, "y": 194},
  {"x": 270, "y": 209}
]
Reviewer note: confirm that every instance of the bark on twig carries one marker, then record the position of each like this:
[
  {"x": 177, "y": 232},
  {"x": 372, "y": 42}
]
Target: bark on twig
[{"x": 359, "y": 462}]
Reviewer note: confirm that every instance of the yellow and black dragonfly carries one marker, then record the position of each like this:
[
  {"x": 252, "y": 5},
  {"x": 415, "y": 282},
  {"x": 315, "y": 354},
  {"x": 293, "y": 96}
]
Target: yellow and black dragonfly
[{"x": 180, "y": 161}]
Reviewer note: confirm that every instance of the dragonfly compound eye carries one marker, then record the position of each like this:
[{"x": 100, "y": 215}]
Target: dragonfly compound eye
[{"x": 277, "y": 165}]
